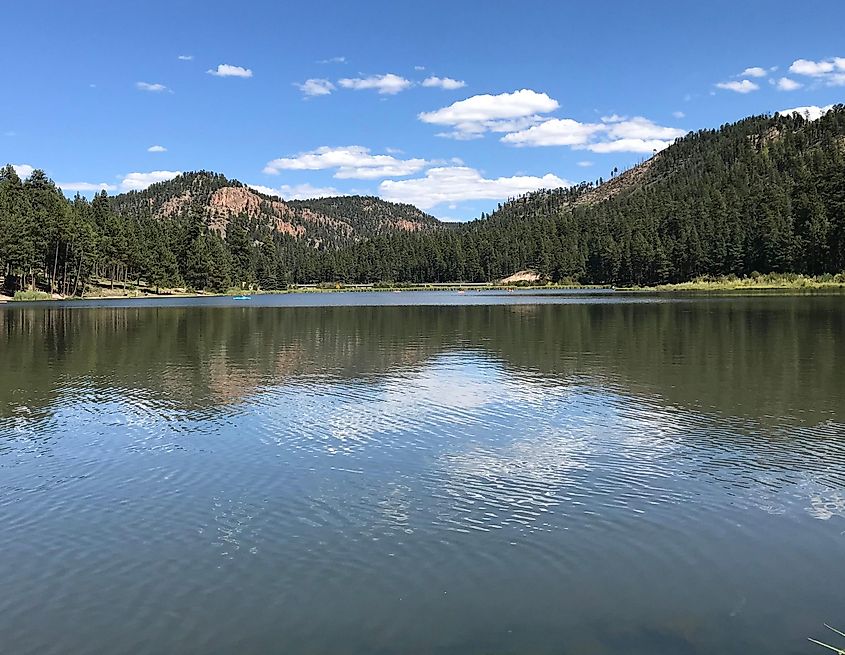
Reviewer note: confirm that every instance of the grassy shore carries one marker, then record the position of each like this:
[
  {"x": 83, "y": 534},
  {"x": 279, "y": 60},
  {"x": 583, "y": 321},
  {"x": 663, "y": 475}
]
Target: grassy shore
[{"x": 769, "y": 282}]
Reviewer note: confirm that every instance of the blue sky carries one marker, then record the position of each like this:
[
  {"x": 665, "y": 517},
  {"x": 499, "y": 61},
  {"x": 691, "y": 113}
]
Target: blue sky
[{"x": 452, "y": 106}]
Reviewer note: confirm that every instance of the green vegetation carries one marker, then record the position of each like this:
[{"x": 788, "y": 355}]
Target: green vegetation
[
  {"x": 26, "y": 296},
  {"x": 765, "y": 194},
  {"x": 754, "y": 281}
]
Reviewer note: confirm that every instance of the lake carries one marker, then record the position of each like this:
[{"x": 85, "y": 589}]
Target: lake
[{"x": 372, "y": 473}]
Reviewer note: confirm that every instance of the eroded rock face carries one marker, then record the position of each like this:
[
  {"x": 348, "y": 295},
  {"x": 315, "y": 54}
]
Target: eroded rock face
[
  {"x": 622, "y": 182},
  {"x": 408, "y": 226},
  {"x": 234, "y": 201},
  {"x": 340, "y": 220},
  {"x": 174, "y": 206}
]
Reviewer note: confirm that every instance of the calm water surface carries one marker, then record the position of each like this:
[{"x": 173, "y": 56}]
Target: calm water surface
[{"x": 378, "y": 473}]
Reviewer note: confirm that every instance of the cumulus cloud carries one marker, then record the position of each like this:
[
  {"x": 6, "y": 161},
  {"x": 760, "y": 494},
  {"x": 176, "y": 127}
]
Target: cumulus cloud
[
  {"x": 349, "y": 162},
  {"x": 828, "y": 71},
  {"x": 185, "y": 57},
  {"x": 387, "y": 84},
  {"x": 613, "y": 118},
  {"x": 613, "y": 134},
  {"x": 787, "y": 84},
  {"x": 811, "y": 112},
  {"x": 23, "y": 170},
  {"x": 156, "y": 149},
  {"x": 444, "y": 83},
  {"x": 504, "y": 112},
  {"x": 459, "y": 183},
  {"x": 86, "y": 186},
  {"x": 140, "y": 181},
  {"x": 316, "y": 87},
  {"x": 151, "y": 87},
  {"x": 679, "y": 114},
  {"x": 739, "y": 86},
  {"x": 629, "y": 145},
  {"x": 298, "y": 191},
  {"x": 332, "y": 60},
  {"x": 642, "y": 128},
  {"x": 585, "y": 163},
  {"x": 227, "y": 70},
  {"x": 555, "y": 132},
  {"x": 817, "y": 68},
  {"x": 754, "y": 71}
]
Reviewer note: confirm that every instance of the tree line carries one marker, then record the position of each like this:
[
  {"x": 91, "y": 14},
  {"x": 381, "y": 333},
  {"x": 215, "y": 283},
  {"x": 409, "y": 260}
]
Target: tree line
[{"x": 765, "y": 194}]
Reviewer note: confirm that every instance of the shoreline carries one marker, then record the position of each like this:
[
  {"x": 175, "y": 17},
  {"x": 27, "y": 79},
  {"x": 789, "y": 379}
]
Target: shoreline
[{"x": 787, "y": 283}]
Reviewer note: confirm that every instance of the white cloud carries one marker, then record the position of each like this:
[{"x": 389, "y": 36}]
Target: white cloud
[
  {"x": 615, "y": 134},
  {"x": 444, "y": 83},
  {"x": 419, "y": 68},
  {"x": 332, "y": 60},
  {"x": 585, "y": 164},
  {"x": 387, "y": 84},
  {"x": 266, "y": 190},
  {"x": 298, "y": 191},
  {"x": 787, "y": 84},
  {"x": 811, "y": 112},
  {"x": 23, "y": 170},
  {"x": 459, "y": 183},
  {"x": 350, "y": 162},
  {"x": 152, "y": 87},
  {"x": 227, "y": 70},
  {"x": 140, "y": 181},
  {"x": 830, "y": 71},
  {"x": 642, "y": 128},
  {"x": 754, "y": 71},
  {"x": 679, "y": 114},
  {"x": 816, "y": 68},
  {"x": 86, "y": 186},
  {"x": 185, "y": 57},
  {"x": 613, "y": 118},
  {"x": 629, "y": 145},
  {"x": 739, "y": 86},
  {"x": 555, "y": 132},
  {"x": 504, "y": 112},
  {"x": 316, "y": 87},
  {"x": 156, "y": 149}
]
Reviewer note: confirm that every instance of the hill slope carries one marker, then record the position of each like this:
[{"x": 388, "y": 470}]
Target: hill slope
[
  {"x": 321, "y": 222},
  {"x": 764, "y": 194}
]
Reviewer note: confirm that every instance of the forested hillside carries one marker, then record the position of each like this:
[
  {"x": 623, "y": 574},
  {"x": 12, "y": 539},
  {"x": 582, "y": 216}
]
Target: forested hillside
[
  {"x": 199, "y": 230},
  {"x": 765, "y": 194}
]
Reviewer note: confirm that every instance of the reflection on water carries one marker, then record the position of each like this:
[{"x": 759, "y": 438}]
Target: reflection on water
[{"x": 589, "y": 476}]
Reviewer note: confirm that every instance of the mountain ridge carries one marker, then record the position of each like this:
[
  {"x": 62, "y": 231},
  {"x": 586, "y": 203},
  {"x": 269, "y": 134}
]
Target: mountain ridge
[{"x": 320, "y": 221}]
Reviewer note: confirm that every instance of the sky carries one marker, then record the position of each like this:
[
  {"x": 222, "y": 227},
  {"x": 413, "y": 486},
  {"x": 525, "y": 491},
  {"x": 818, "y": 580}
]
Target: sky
[{"x": 451, "y": 106}]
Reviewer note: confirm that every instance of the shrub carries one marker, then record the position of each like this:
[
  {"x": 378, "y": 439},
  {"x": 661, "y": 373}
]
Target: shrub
[{"x": 28, "y": 296}]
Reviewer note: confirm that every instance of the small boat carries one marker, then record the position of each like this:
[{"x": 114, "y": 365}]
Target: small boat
[{"x": 241, "y": 297}]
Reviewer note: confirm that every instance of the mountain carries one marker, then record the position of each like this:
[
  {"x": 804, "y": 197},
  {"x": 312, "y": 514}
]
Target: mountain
[
  {"x": 764, "y": 194},
  {"x": 322, "y": 222}
]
